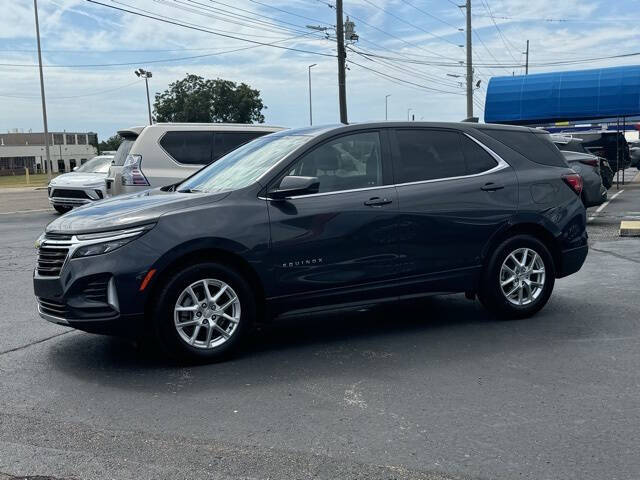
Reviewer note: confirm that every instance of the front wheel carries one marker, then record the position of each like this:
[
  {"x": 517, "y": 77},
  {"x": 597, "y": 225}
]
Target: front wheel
[
  {"x": 203, "y": 312},
  {"x": 519, "y": 278}
]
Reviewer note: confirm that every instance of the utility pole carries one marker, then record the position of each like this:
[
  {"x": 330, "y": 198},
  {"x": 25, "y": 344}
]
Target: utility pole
[
  {"x": 342, "y": 54},
  {"x": 310, "y": 111},
  {"x": 44, "y": 103},
  {"x": 469, "y": 64},
  {"x": 526, "y": 64},
  {"x": 386, "y": 107}
]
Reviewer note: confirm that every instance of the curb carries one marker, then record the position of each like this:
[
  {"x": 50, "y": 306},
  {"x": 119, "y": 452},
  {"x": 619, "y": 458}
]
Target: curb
[{"x": 630, "y": 228}]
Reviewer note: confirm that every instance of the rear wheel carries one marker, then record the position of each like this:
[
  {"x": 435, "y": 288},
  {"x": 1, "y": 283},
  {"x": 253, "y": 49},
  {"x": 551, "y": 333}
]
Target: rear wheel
[
  {"x": 203, "y": 312},
  {"x": 519, "y": 278},
  {"x": 61, "y": 209}
]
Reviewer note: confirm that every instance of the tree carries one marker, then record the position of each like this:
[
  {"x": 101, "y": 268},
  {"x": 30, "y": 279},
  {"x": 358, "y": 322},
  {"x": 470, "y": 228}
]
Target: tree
[
  {"x": 196, "y": 99},
  {"x": 112, "y": 143}
]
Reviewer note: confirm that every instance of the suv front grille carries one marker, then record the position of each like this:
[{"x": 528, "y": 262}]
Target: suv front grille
[
  {"x": 64, "y": 193},
  {"x": 52, "y": 254},
  {"x": 53, "y": 308}
]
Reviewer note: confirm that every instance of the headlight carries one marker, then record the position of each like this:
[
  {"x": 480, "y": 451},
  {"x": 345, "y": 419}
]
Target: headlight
[
  {"x": 105, "y": 242},
  {"x": 39, "y": 241}
]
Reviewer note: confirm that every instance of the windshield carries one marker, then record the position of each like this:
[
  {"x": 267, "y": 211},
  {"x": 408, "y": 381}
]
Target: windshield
[
  {"x": 123, "y": 151},
  {"x": 96, "y": 165},
  {"x": 244, "y": 165}
]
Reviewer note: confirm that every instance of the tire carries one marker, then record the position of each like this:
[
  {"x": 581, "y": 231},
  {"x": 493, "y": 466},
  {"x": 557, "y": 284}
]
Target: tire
[
  {"x": 61, "y": 210},
  {"x": 180, "y": 343},
  {"x": 491, "y": 292},
  {"x": 607, "y": 178}
]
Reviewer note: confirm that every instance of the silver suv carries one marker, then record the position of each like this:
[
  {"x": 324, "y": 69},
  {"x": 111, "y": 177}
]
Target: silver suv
[{"x": 165, "y": 153}]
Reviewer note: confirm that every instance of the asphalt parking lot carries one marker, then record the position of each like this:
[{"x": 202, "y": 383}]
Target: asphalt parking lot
[{"x": 436, "y": 389}]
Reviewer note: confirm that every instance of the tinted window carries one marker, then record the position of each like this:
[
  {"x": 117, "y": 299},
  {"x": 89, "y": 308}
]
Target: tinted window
[
  {"x": 348, "y": 162},
  {"x": 428, "y": 155},
  {"x": 224, "y": 142},
  {"x": 123, "y": 151},
  {"x": 189, "y": 148},
  {"x": 537, "y": 147},
  {"x": 476, "y": 158}
]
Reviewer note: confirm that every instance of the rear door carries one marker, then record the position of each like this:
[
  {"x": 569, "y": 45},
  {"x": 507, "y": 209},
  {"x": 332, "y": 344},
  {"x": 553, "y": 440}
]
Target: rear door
[
  {"x": 342, "y": 237},
  {"x": 453, "y": 195}
]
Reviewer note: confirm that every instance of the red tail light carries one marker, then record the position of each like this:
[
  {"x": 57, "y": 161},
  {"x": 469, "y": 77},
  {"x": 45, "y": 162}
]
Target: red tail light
[
  {"x": 593, "y": 162},
  {"x": 574, "y": 181}
]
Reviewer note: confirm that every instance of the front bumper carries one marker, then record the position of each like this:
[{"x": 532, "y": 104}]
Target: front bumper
[
  {"x": 75, "y": 196},
  {"x": 98, "y": 294}
]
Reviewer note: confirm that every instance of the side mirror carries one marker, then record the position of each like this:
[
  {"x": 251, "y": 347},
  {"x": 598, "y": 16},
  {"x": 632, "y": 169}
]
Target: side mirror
[{"x": 292, "y": 185}]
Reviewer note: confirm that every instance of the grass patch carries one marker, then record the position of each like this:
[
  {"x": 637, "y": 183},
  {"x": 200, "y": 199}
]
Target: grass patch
[{"x": 38, "y": 180}]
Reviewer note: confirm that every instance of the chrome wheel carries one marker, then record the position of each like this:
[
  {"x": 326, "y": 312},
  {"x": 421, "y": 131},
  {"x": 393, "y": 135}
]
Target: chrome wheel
[
  {"x": 522, "y": 276},
  {"x": 207, "y": 313}
]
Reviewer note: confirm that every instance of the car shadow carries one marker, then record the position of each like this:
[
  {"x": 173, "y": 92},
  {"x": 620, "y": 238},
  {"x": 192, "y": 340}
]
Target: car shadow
[{"x": 386, "y": 339}]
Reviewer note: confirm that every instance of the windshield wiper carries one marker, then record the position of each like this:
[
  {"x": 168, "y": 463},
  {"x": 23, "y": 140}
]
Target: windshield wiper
[{"x": 190, "y": 190}]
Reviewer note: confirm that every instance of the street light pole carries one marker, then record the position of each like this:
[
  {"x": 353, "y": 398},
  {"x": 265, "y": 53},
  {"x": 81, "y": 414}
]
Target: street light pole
[
  {"x": 146, "y": 75},
  {"x": 44, "y": 103},
  {"x": 408, "y": 112},
  {"x": 386, "y": 107},
  {"x": 469, "y": 63},
  {"x": 310, "y": 109}
]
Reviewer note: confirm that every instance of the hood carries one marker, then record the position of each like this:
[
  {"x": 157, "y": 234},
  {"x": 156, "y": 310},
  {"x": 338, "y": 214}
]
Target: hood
[
  {"x": 128, "y": 211},
  {"x": 77, "y": 179}
]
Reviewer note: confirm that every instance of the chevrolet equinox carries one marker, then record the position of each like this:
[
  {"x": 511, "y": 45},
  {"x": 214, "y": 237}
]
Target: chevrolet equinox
[{"x": 319, "y": 218}]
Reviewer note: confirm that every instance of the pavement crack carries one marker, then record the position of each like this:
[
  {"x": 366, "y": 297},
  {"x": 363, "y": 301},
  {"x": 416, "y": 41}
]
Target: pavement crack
[
  {"x": 42, "y": 340},
  {"x": 623, "y": 257}
]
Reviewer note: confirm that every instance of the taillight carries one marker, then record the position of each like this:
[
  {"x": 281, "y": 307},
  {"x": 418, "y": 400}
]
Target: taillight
[
  {"x": 592, "y": 162},
  {"x": 574, "y": 181},
  {"x": 132, "y": 173}
]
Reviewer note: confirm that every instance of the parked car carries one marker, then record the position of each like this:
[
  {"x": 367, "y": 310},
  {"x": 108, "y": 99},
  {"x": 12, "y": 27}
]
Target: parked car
[
  {"x": 570, "y": 144},
  {"x": 588, "y": 167},
  {"x": 316, "y": 219},
  {"x": 611, "y": 145},
  {"x": 165, "y": 153},
  {"x": 113, "y": 181},
  {"x": 634, "y": 153},
  {"x": 83, "y": 185}
]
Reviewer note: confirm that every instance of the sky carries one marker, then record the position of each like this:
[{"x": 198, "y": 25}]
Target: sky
[{"x": 411, "y": 50}]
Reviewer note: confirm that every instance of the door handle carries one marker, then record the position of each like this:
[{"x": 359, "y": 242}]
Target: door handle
[
  {"x": 377, "y": 202},
  {"x": 491, "y": 187}
]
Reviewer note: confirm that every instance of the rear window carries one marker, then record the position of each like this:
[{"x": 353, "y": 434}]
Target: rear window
[
  {"x": 188, "y": 148},
  {"x": 572, "y": 146},
  {"x": 225, "y": 142},
  {"x": 537, "y": 147},
  {"x": 123, "y": 151}
]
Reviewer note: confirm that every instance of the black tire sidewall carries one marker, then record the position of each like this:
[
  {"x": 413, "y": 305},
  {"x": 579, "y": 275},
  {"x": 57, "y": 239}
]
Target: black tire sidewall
[
  {"x": 490, "y": 292},
  {"x": 166, "y": 333}
]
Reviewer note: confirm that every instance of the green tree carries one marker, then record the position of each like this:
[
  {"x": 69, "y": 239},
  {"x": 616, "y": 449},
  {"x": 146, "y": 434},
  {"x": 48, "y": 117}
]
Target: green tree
[
  {"x": 196, "y": 99},
  {"x": 112, "y": 143}
]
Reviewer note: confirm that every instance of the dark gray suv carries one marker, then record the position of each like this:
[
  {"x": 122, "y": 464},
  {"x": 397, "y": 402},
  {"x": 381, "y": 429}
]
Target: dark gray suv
[{"x": 314, "y": 219}]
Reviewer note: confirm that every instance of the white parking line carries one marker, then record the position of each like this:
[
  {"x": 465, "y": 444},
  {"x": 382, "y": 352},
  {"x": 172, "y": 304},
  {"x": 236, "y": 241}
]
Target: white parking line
[
  {"x": 26, "y": 211},
  {"x": 603, "y": 206}
]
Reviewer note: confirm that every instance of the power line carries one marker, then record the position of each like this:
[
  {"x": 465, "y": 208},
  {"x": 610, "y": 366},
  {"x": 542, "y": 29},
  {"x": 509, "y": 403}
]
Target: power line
[
  {"x": 172, "y": 22},
  {"x": 439, "y": 37},
  {"x": 37, "y": 97},
  {"x": 430, "y": 15},
  {"x": 138, "y": 62},
  {"x": 404, "y": 81},
  {"x": 485, "y": 3},
  {"x": 287, "y": 12}
]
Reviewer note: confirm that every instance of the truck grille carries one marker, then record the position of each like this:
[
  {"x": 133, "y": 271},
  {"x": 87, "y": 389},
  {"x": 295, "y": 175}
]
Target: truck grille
[
  {"x": 52, "y": 254},
  {"x": 65, "y": 193},
  {"x": 51, "y": 307}
]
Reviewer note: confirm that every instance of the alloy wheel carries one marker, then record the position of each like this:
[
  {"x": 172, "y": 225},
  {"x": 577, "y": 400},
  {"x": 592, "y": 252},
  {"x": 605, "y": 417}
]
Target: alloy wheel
[
  {"x": 207, "y": 313},
  {"x": 522, "y": 276}
]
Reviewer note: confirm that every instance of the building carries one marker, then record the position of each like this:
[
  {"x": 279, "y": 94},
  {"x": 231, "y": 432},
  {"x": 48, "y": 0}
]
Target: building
[{"x": 26, "y": 150}]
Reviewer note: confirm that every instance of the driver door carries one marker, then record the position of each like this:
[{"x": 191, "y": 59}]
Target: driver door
[{"x": 340, "y": 239}]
